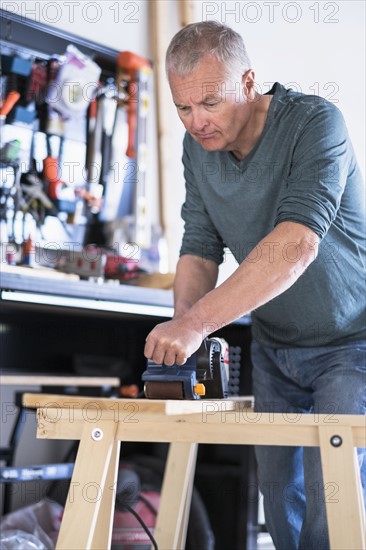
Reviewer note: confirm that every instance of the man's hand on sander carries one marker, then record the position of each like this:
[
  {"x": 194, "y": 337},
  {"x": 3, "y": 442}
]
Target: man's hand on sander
[{"x": 172, "y": 342}]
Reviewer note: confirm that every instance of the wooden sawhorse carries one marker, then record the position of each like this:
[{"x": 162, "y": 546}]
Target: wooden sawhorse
[{"x": 101, "y": 424}]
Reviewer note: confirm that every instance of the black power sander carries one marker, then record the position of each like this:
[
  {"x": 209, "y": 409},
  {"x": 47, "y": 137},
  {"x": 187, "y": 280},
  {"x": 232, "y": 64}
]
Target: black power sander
[{"x": 204, "y": 375}]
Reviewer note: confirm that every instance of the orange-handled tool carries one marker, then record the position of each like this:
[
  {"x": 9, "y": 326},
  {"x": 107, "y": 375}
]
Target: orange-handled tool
[
  {"x": 9, "y": 102},
  {"x": 51, "y": 173},
  {"x": 130, "y": 64}
]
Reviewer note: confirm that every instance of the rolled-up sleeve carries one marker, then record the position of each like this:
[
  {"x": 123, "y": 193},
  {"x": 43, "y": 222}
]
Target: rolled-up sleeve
[
  {"x": 200, "y": 236},
  {"x": 317, "y": 175}
]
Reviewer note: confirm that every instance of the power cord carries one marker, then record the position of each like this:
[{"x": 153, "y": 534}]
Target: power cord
[
  {"x": 148, "y": 503},
  {"x": 143, "y": 525},
  {"x": 128, "y": 493}
]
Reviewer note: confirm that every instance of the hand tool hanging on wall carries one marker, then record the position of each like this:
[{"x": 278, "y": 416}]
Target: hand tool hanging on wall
[
  {"x": 115, "y": 178},
  {"x": 108, "y": 106},
  {"x": 137, "y": 71},
  {"x": 132, "y": 65},
  {"x": 75, "y": 84},
  {"x": 94, "y": 228},
  {"x": 104, "y": 146},
  {"x": 51, "y": 166},
  {"x": 205, "y": 374},
  {"x": 72, "y": 86},
  {"x": 16, "y": 105},
  {"x": 38, "y": 81},
  {"x": 53, "y": 125},
  {"x": 11, "y": 99},
  {"x": 94, "y": 148}
]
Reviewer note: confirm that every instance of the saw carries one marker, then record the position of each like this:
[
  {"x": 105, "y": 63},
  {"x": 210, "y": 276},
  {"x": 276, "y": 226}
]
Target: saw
[{"x": 204, "y": 375}]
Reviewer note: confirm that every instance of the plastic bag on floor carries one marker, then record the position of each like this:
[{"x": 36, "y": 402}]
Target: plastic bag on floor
[
  {"x": 14, "y": 540},
  {"x": 42, "y": 520}
]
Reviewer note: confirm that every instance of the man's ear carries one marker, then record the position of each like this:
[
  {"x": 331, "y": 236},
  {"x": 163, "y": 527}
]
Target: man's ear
[{"x": 248, "y": 85}]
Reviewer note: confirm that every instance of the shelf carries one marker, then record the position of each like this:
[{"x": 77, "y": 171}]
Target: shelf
[
  {"x": 88, "y": 295},
  {"x": 40, "y": 40}
]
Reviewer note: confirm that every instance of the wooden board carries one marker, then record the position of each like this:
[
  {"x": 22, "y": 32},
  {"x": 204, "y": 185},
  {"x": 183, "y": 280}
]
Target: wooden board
[
  {"x": 214, "y": 410},
  {"x": 150, "y": 406}
]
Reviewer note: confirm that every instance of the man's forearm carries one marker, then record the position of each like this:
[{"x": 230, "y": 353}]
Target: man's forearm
[
  {"x": 194, "y": 278},
  {"x": 263, "y": 275},
  {"x": 256, "y": 281}
]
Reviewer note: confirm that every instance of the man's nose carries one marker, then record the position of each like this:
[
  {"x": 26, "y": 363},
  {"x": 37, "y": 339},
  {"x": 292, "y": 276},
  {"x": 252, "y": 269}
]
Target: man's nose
[{"x": 198, "y": 121}]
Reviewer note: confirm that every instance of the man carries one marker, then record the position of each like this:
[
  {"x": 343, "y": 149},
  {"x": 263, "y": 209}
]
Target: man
[{"x": 274, "y": 178}]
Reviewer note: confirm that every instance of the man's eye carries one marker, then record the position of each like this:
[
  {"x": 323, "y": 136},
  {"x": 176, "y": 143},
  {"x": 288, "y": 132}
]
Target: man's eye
[
  {"x": 211, "y": 104},
  {"x": 183, "y": 109}
]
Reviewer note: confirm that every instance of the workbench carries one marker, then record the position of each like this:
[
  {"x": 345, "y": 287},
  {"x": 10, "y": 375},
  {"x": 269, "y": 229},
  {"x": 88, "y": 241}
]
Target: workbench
[{"x": 101, "y": 424}]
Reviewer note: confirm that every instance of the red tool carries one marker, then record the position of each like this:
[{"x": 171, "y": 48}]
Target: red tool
[{"x": 121, "y": 268}]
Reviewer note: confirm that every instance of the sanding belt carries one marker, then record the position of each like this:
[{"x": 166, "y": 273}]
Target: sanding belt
[{"x": 164, "y": 390}]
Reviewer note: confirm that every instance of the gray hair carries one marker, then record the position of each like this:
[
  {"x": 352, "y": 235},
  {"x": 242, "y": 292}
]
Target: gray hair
[{"x": 195, "y": 41}]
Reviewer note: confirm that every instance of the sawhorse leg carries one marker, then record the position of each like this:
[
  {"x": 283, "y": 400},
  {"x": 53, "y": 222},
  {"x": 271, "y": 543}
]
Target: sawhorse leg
[
  {"x": 88, "y": 516},
  {"x": 342, "y": 488},
  {"x": 175, "y": 502},
  {"x": 103, "y": 529}
]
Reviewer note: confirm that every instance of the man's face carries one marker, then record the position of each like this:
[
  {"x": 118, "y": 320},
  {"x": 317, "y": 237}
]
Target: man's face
[{"x": 213, "y": 108}]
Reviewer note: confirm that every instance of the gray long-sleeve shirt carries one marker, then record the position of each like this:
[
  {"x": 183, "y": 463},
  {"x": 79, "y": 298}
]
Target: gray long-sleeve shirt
[{"x": 302, "y": 169}]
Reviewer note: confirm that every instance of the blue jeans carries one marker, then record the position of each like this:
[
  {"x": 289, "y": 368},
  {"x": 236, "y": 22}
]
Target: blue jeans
[{"x": 324, "y": 380}]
